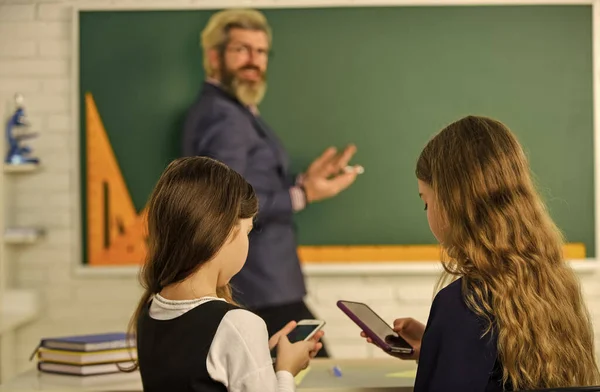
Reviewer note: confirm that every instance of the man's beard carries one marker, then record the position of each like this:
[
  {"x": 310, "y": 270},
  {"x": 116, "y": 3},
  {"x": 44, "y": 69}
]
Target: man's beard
[{"x": 247, "y": 92}]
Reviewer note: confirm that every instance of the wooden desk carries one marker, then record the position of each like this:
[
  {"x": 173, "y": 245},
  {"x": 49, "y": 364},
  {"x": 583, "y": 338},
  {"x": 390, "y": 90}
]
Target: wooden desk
[{"x": 358, "y": 375}]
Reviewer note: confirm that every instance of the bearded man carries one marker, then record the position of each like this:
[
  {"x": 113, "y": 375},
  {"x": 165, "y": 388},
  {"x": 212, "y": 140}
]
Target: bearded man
[{"x": 224, "y": 124}]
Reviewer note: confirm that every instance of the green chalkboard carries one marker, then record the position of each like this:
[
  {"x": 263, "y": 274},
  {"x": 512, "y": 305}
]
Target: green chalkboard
[{"x": 384, "y": 78}]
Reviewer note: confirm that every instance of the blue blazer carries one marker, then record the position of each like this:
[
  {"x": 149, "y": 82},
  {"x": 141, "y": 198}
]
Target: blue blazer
[
  {"x": 454, "y": 356},
  {"x": 220, "y": 127}
]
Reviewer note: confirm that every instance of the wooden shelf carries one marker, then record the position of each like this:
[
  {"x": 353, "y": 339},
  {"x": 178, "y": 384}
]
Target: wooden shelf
[
  {"x": 21, "y": 168},
  {"x": 22, "y": 235}
]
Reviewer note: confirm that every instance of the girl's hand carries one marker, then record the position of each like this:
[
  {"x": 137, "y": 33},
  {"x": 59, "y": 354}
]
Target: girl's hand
[
  {"x": 294, "y": 357},
  {"x": 289, "y": 327},
  {"x": 410, "y": 330}
]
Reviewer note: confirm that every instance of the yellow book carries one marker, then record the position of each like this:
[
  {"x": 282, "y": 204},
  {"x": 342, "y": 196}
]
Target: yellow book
[{"x": 86, "y": 358}]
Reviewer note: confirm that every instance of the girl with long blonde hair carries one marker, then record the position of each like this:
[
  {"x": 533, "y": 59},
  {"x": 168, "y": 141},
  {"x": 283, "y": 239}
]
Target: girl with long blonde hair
[{"x": 514, "y": 317}]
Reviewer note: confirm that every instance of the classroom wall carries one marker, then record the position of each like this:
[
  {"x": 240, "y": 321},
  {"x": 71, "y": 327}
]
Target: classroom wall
[{"x": 35, "y": 55}]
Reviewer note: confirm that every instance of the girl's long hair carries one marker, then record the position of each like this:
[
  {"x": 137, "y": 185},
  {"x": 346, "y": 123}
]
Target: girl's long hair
[
  {"x": 502, "y": 242},
  {"x": 194, "y": 208}
]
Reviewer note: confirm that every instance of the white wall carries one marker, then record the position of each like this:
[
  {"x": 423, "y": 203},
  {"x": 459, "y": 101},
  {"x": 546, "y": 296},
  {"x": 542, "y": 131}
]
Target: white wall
[{"x": 35, "y": 42}]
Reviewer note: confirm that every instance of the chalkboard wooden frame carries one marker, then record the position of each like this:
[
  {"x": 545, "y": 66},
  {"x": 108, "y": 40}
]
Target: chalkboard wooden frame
[{"x": 75, "y": 99}]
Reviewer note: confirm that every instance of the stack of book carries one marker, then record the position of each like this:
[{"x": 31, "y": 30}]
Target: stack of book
[{"x": 86, "y": 355}]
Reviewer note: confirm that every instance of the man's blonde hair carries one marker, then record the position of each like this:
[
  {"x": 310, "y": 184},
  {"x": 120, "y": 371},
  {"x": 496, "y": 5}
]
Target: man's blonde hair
[{"x": 216, "y": 32}]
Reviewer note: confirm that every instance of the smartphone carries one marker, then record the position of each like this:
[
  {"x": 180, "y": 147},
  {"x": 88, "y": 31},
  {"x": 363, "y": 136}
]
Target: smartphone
[
  {"x": 305, "y": 329},
  {"x": 375, "y": 328}
]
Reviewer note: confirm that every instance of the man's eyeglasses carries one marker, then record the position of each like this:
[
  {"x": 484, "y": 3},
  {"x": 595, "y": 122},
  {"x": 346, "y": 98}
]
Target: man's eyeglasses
[{"x": 247, "y": 50}]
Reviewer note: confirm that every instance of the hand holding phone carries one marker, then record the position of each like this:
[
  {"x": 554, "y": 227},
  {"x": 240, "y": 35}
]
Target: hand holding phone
[
  {"x": 273, "y": 340},
  {"x": 302, "y": 330},
  {"x": 377, "y": 330},
  {"x": 295, "y": 349},
  {"x": 294, "y": 357},
  {"x": 410, "y": 330}
]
